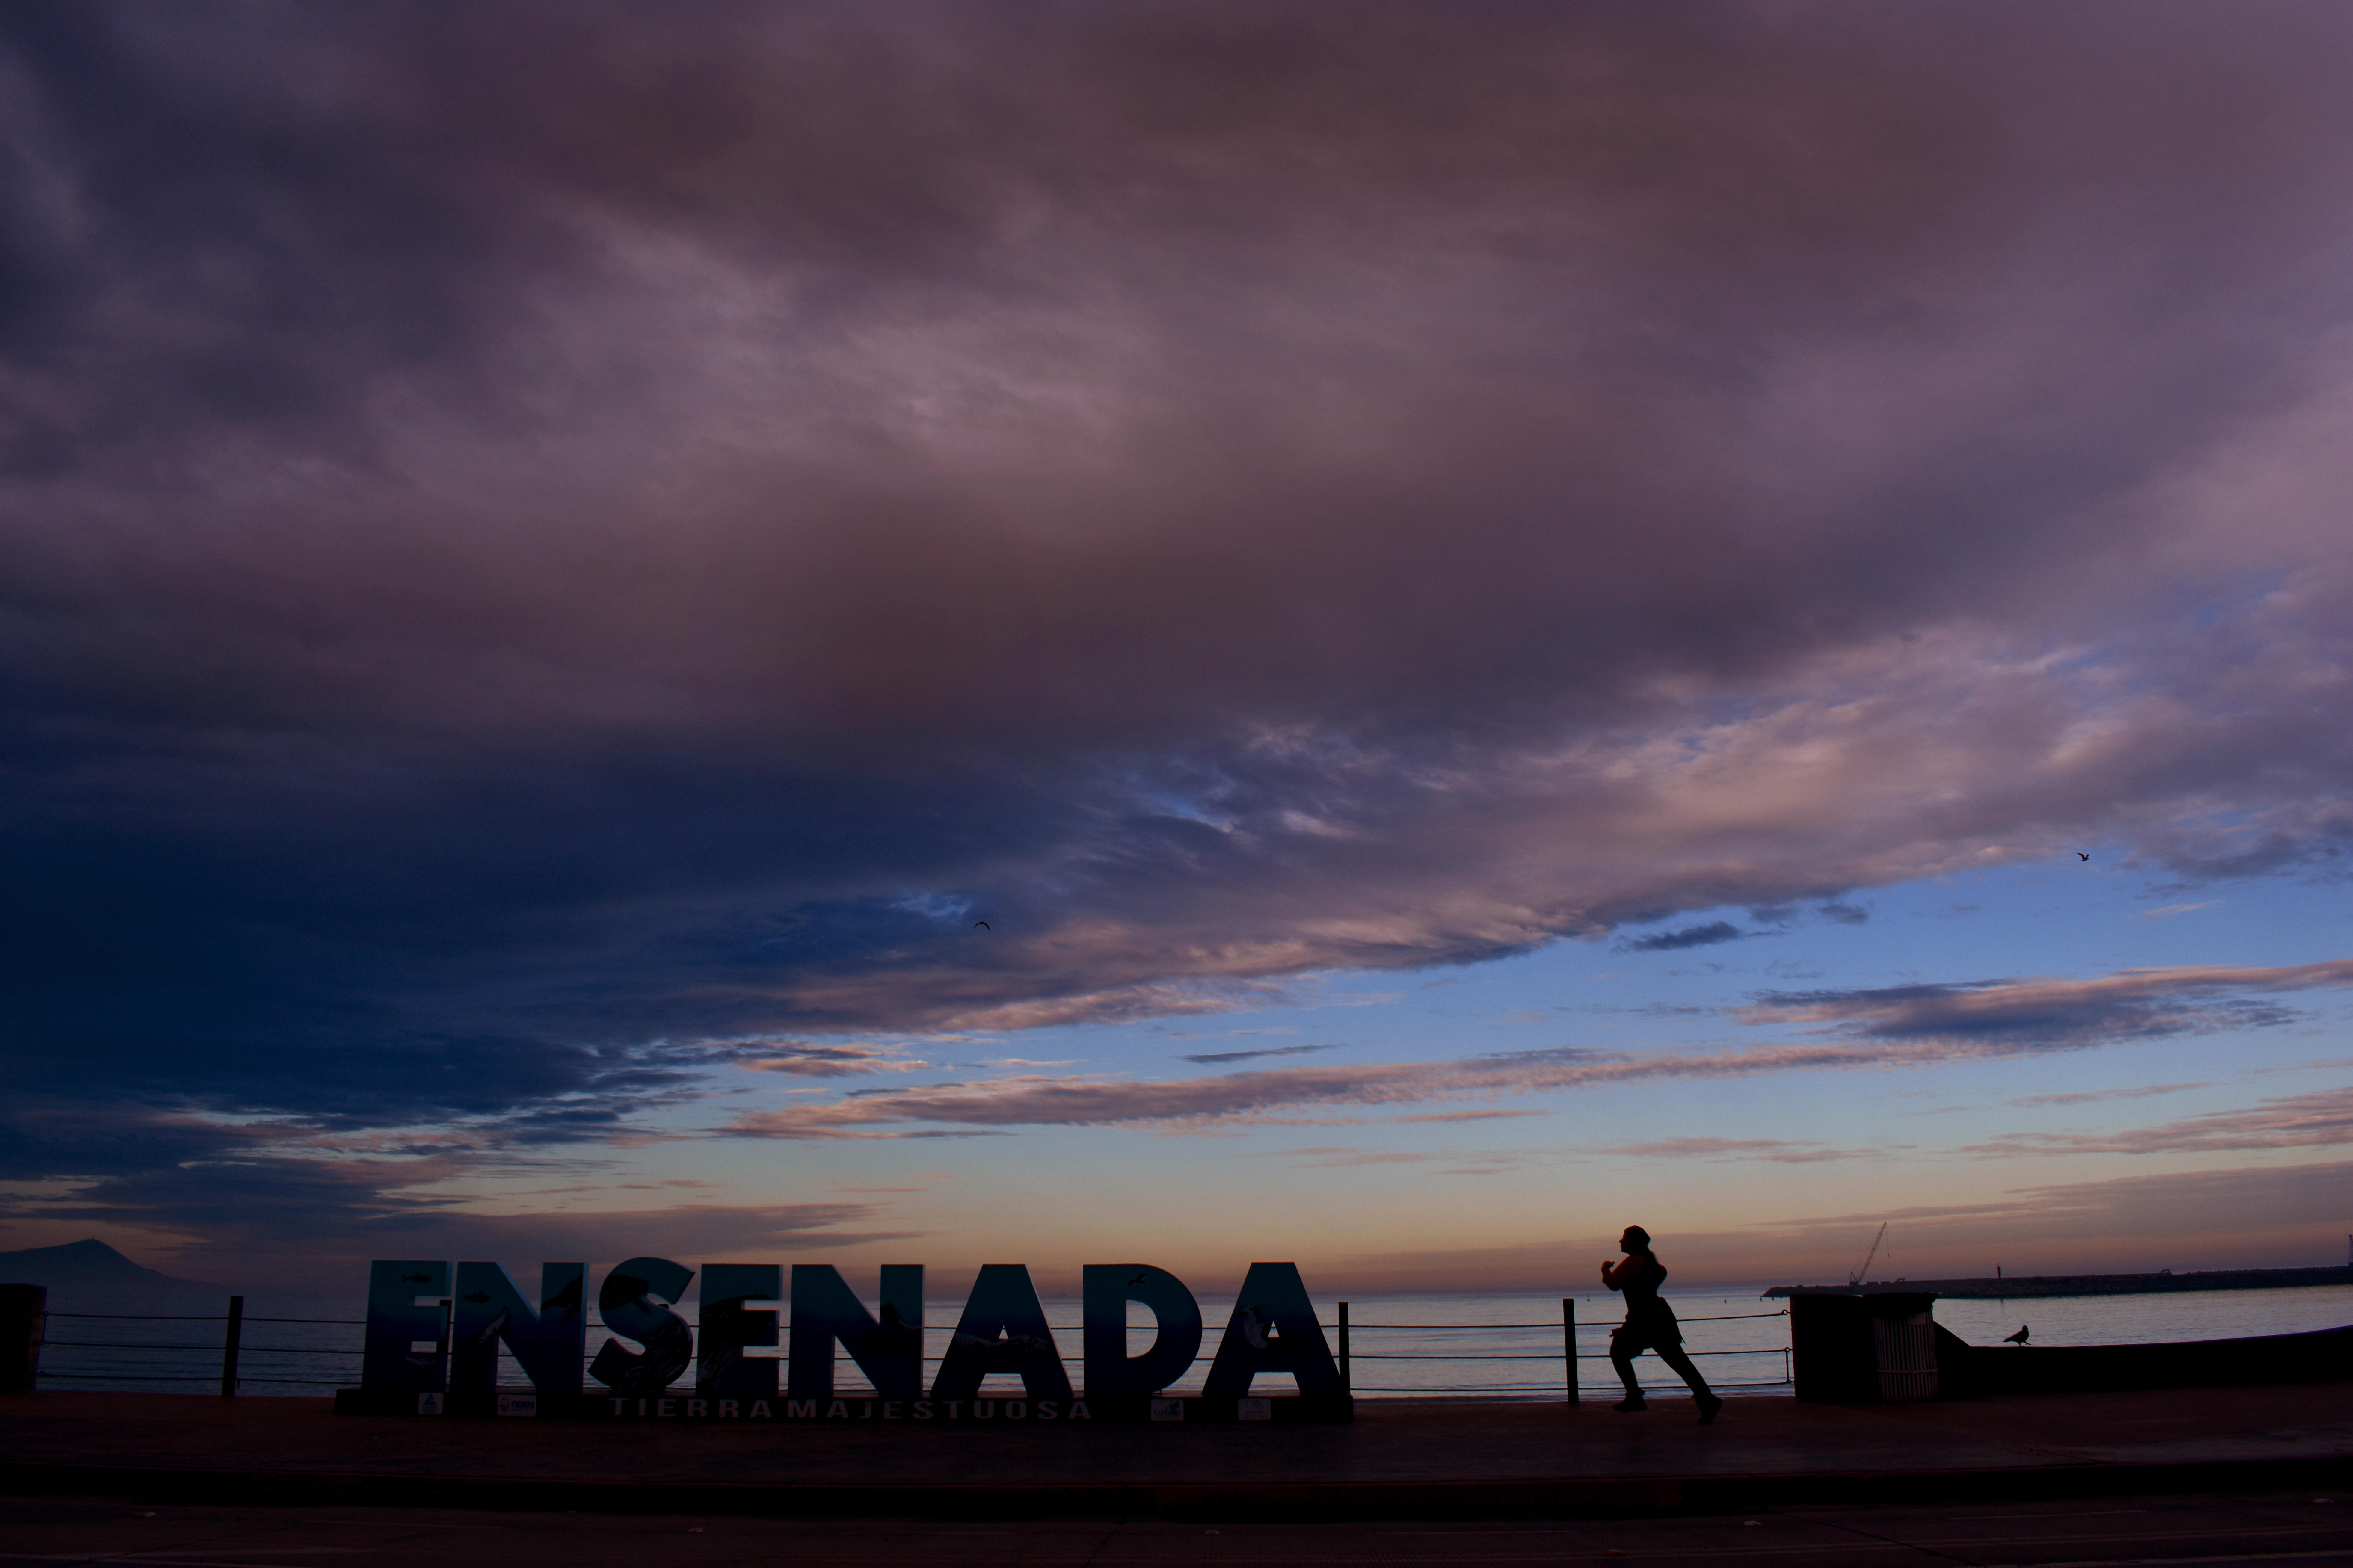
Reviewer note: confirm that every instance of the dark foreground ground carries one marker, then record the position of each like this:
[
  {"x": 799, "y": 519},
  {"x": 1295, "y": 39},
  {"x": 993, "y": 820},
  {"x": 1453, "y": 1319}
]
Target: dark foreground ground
[
  {"x": 1470, "y": 1463},
  {"x": 2285, "y": 1528}
]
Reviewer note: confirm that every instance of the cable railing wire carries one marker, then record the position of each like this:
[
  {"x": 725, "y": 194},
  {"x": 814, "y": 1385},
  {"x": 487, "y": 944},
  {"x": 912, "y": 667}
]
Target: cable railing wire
[
  {"x": 232, "y": 1377},
  {"x": 1596, "y": 1328}
]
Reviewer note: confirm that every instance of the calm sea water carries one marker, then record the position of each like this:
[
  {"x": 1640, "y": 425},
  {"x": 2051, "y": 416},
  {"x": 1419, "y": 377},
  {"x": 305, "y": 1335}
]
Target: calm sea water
[{"x": 1400, "y": 1346}]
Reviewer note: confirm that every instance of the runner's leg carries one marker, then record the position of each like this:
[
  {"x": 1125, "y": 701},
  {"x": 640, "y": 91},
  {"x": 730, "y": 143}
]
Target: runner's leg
[
  {"x": 1623, "y": 1353},
  {"x": 1671, "y": 1353}
]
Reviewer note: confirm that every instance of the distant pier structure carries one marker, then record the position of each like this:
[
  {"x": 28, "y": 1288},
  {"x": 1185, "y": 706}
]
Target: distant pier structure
[{"x": 2016, "y": 1287}]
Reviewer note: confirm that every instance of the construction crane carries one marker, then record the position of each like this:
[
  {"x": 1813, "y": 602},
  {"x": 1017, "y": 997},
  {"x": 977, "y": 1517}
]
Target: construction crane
[{"x": 1856, "y": 1277}]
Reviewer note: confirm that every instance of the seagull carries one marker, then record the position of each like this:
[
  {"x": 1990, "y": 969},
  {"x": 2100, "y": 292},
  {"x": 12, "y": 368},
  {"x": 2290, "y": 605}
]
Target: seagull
[
  {"x": 2080, "y": 855},
  {"x": 982, "y": 925},
  {"x": 2018, "y": 1338}
]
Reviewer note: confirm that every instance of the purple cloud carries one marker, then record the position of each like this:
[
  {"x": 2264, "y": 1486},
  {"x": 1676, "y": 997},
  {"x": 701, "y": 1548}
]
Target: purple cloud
[
  {"x": 1775, "y": 1150},
  {"x": 1912, "y": 1026},
  {"x": 522, "y": 544},
  {"x": 1220, "y": 1059},
  {"x": 2094, "y": 1096},
  {"x": 2137, "y": 1004},
  {"x": 1689, "y": 936},
  {"x": 2323, "y": 1119}
]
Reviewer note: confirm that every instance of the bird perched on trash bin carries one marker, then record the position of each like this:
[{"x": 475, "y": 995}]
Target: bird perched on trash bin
[{"x": 2017, "y": 1339}]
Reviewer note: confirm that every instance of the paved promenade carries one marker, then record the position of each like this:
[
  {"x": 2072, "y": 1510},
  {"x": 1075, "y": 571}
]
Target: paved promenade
[{"x": 1398, "y": 1461}]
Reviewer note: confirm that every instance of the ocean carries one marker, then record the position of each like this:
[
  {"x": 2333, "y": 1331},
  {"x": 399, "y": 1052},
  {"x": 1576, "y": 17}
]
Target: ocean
[{"x": 1401, "y": 1346}]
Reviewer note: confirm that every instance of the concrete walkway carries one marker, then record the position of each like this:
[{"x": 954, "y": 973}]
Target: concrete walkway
[{"x": 1398, "y": 1461}]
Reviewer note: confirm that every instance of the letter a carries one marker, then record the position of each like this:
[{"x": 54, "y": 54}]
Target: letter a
[{"x": 1273, "y": 1328}]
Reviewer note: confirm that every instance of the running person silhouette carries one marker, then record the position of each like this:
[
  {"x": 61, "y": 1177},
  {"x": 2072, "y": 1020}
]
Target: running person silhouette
[{"x": 1649, "y": 1325}]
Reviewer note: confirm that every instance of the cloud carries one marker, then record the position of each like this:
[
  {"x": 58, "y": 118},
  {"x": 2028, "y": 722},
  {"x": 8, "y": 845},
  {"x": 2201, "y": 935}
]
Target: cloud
[
  {"x": 803, "y": 1058},
  {"x": 2166, "y": 911},
  {"x": 1491, "y": 1115},
  {"x": 1779, "y": 1150},
  {"x": 1690, "y": 936},
  {"x": 523, "y": 543},
  {"x": 1219, "y": 1059},
  {"x": 2320, "y": 1120},
  {"x": 305, "y": 1211},
  {"x": 2136, "y": 1004},
  {"x": 1348, "y": 1158},
  {"x": 2090, "y": 1096},
  {"x": 1906, "y": 1025}
]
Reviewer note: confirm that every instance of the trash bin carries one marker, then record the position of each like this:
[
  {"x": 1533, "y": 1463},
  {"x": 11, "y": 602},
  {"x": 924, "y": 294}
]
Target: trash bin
[
  {"x": 1904, "y": 1351},
  {"x": 1854, "y": 1347}
]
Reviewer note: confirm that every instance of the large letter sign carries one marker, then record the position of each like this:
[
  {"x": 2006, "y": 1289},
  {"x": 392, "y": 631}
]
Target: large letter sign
[
  {"x": 1273, "y": 1328},
  {"x": 405, "y": 1348},
  {"x": 1002, "y": 1330},
  {"x": 635, "y": 1301},
  {"x": 889, "y": 1351},
  {"x": 731, "y": 1326},
  {"x": 489, "y": 1307},
  {"x": 435, "y": 1334},
  {"x": 1108, "y": 1288}
]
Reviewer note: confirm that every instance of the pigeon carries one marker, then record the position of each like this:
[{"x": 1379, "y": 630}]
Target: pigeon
[
  {"x": 2080, "y": 855},
  {"x": 2018, "y": 1338},
  {"x": 1254, "y": 1327}
]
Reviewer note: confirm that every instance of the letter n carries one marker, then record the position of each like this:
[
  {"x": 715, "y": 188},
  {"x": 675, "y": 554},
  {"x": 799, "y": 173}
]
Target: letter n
[
  {"x": 889, "y": 1351},
  {"x": 548, "y": 1344}
]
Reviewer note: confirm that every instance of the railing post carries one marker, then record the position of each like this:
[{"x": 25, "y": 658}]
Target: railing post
[
  {"x": 229, "y": 1346},
  {"x": 1568, "y": 1342},
  {"x": 1345, "y": 1380}
]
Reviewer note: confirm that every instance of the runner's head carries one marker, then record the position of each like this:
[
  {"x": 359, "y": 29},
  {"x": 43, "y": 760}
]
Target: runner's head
[{"x": 1636, "y": 1240}]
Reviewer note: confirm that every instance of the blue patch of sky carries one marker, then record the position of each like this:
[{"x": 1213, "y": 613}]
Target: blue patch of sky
[
  {"x": 2068, "y": 919},
  {"x": 2075, "y": 919}
]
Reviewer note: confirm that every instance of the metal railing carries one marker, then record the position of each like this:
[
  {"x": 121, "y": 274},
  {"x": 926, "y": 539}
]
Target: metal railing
[
  {"x": 231, "y": 1348},
  {"x": 1569, "y": 1359}
]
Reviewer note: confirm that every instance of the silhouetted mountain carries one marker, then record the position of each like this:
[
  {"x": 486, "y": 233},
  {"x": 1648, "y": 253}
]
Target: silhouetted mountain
[{"x": 86, "y": 1265}]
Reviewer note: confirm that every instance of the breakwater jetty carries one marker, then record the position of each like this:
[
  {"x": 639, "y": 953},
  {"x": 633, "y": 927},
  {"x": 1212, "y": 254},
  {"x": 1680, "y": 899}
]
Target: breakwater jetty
[{"x": 2029, "y": 1286}]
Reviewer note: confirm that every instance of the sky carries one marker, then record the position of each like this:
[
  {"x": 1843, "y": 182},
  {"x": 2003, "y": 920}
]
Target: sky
[{"x": 1386, "y": 636}]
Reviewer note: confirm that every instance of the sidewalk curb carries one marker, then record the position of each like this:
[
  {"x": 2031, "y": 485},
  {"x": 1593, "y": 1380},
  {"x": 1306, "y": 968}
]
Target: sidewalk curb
[{"x": 1581, "y": 1497}]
